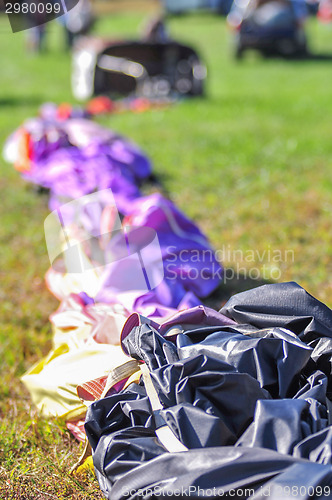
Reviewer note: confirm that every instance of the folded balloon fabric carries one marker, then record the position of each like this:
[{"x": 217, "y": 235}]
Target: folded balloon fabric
[
  {"x": 74, "y": 157},
  {"x": 234, "y": 404},
  {"x": 190, "y": 269},
  {"x": 180, "y": 400},
  {"x": 86, "y": 349},
  {"x": 85, "y": 346},
  {"x": 183, "y": 262}
]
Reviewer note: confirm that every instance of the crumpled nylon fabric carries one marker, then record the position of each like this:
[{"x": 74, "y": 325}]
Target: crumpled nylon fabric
[
  {"x": 180, "y": 284},
  {"x": 85, "y": 346},
  {"x": 249, "y": 399},
  {"x": 286, "y": 305},
  {"x": 73, "y": 157},
  {"x": 178, "y": 239},
  {"x": 52, "y": 381},
  {"x": 76, "y": 157}
]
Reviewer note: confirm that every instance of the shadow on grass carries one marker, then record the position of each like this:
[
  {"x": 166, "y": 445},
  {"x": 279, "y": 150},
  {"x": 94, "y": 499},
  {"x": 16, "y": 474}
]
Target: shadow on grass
[
  {"x": 312, "y": 57},
  {"x": 9, "y": 101},
  {"x": 156, "y": 183},
  {"x": 300, "y": 57},
  {"x": 231, "y": 285},
  {"x": 272, "y": 55}
]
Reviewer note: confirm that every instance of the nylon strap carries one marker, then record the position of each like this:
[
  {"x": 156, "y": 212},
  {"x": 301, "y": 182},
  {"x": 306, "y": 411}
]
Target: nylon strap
[
  {"x": 119, "y": 373},
  {"x": 164, "y": 433}
]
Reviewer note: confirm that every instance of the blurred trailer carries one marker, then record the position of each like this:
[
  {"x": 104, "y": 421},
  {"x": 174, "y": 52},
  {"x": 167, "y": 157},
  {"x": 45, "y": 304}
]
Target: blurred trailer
[{"x": 136, "y": 68}]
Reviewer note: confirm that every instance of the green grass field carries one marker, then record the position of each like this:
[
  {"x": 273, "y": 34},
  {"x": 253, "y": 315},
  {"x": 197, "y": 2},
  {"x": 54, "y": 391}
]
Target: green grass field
[{"x": 250, "y": 163}]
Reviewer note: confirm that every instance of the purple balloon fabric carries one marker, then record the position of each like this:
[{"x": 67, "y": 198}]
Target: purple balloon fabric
[
  {"x": 189, "y": 264},
  {"x": 76, "y": 157}
]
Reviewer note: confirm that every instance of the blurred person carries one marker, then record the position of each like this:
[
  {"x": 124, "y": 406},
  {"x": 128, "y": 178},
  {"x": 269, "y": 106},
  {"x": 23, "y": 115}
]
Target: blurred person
[
  {"x": 35, "y": 38},
  {"x": 155, "y": 31},
  {"x": 78, "y": 21},
  {"x": 36, "y": 34},
  {"x": 325, "y": 11}
]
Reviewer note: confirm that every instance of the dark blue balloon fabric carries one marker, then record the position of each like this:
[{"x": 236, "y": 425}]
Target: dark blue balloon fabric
[{"x": 250, "y": 400}]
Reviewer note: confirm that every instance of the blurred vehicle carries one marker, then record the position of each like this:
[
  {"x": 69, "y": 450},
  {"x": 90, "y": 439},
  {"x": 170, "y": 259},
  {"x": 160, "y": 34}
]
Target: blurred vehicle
[
  {"x": 137, "y": 68},
  {"x": 273, "y": 27},
  {"x": 181, "y": 6}
]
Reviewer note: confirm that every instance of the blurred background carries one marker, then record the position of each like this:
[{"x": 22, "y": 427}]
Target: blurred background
[{"x": 248, "y": 158}]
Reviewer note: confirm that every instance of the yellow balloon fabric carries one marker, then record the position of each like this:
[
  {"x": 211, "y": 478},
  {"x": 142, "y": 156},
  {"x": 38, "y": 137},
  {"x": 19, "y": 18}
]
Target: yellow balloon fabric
[{"x": 75, "y": 359}]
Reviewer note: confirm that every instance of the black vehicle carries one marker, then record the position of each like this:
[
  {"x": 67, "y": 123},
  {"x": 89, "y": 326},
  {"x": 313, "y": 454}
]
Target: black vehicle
[{"x": 274, "y": 27}]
